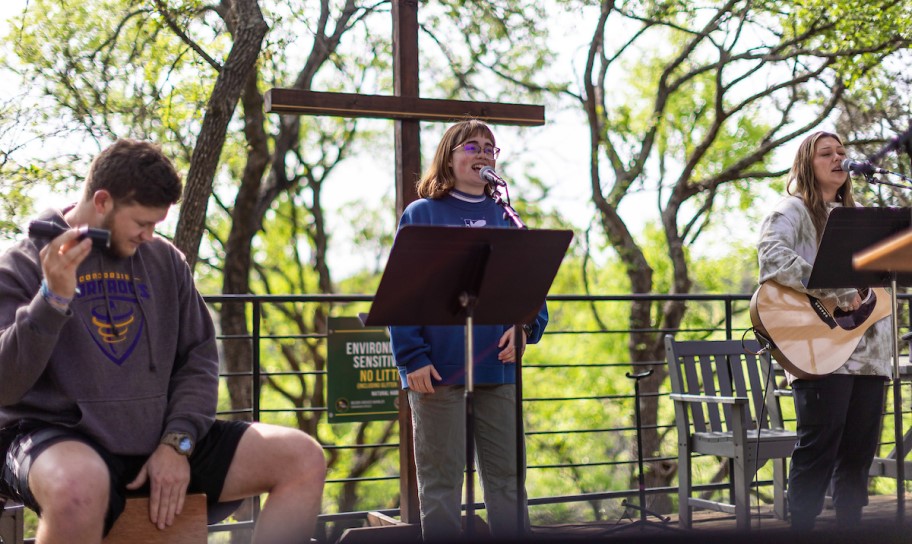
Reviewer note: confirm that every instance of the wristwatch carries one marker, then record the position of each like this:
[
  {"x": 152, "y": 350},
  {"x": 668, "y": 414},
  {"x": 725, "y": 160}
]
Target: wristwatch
[
  {"x": 181, "y": 442},
  {"x": 528, "y": 328}
]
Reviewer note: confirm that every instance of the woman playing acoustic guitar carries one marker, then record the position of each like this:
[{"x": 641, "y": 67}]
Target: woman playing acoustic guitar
[{"x": 838, "y": 413}]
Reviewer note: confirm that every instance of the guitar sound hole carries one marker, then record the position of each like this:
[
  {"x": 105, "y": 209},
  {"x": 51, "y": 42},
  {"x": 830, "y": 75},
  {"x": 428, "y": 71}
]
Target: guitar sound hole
[{"x": 851, "y": 320}]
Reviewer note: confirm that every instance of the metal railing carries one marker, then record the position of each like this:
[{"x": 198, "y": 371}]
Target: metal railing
[{"x": 562, "y": 485}]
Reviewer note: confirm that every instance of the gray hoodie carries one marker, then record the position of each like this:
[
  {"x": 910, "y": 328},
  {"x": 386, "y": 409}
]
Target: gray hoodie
[{"x": 133, "y": 358}]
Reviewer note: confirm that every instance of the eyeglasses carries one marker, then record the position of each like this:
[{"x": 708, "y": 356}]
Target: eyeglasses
[{"x": 470, "y": 148}]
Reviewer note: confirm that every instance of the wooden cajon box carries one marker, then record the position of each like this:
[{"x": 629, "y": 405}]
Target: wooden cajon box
[{"x": 134, "y": 527}]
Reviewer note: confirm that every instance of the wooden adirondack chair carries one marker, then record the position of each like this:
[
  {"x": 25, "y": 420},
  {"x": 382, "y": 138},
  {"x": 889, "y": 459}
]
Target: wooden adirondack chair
[{"x": 725, "y": 405}]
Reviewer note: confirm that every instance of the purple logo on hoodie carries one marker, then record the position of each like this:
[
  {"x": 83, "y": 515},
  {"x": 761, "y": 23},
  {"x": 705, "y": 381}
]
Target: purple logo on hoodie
[{"x": 116, "y": 321}]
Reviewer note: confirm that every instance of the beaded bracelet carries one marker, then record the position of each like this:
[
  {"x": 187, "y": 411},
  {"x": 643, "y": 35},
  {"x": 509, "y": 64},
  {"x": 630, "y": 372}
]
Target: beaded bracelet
[{"x": 54, "y": 298}]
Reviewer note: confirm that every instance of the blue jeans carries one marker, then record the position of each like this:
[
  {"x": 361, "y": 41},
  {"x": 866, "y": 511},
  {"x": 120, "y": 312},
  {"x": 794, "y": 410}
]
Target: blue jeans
[{"x": 438, "y": 420}]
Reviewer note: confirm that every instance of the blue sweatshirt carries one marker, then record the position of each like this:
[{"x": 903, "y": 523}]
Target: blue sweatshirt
[{"x": 444, "y": 346}]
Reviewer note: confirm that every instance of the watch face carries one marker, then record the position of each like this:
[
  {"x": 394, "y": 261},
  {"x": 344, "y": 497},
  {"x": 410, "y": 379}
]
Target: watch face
[{"x": 185, "y": 444}]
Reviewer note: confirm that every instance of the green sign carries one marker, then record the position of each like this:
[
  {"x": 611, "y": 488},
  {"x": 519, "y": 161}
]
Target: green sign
[{"x": 362, "y": 381}]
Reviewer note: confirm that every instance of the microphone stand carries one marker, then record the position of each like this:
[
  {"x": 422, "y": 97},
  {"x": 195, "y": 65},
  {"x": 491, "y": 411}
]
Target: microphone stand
[
  {"x": 903, "y": 141},
  {"x": 641, "y": 480},
  {"x": 875, "y": 181},
  {"x": 509, "y": 212},
  {"x": 900, "y": 144},
  {"x": 518, "y": 333}
]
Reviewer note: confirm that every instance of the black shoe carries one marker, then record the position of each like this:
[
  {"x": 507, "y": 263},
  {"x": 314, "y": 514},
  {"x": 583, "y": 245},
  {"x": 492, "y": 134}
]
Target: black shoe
[
  {"x": 848, "y": 518},
  {"x": 802, "y": 525}
]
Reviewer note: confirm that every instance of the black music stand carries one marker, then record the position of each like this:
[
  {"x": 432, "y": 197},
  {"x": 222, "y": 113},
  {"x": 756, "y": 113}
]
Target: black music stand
[
  {"x": 445, "y": 275},
  {"x": 849, "y": 231}
]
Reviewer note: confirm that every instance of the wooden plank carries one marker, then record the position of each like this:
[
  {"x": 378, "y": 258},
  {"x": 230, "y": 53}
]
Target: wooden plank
[
  {"x": 891, "y": 255},
  {"x": 299, "y": 102},
  {"x": 407, "y": 136},
  {"x": 379, "y": 519},
  {"x": 408, "y": 172},
  {"x": 133, "y": 526},
  {"x": 405, "y": 47},
  {"x": 381, "y": 535}
]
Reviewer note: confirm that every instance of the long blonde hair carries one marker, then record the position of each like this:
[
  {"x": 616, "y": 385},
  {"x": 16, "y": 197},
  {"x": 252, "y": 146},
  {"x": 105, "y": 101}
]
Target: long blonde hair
[
  {"x": 438, "y": 179},
  {"x": 805, "y": 182}
]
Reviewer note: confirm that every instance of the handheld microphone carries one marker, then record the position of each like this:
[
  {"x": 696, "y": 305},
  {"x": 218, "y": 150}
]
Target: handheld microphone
[
  {"x": 45, "y": 229},
  {"x": 864, "y": 168},
  {"x": 488, "y": 174}
]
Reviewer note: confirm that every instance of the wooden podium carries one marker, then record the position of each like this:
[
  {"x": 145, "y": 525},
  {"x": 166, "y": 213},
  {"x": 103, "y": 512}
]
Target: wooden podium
[{"x": 893, "y": 255}]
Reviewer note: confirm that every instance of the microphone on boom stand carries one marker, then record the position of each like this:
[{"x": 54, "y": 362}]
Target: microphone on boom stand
[
  {"x": 865, "y": 168},
  {"x": 868, "y": 170}
]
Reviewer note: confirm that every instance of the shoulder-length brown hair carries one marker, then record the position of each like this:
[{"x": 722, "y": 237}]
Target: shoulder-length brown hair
[
  {"x": 803, "y": 183},
  {"x": 438, "y": 179}
]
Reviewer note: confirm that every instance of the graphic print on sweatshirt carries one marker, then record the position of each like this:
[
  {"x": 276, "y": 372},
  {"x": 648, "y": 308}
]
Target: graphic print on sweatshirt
[
  {"x": 475, "y": 222},
  {"x": 115, "y": 322}
]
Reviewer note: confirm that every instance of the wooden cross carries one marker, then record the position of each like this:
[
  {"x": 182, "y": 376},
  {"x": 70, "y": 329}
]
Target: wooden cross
[{"x": 407, "y": 109}]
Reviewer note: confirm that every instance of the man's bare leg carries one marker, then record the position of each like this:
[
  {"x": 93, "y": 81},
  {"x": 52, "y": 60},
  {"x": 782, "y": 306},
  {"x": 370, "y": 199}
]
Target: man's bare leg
[
  {"x": 290, "y": 466},
  {"x": 72, "y": 485}
]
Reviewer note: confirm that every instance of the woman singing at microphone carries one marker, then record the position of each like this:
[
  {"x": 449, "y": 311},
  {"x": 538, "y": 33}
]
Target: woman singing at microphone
[
  {"x": 431, "y": 360},
  {"x": 838, "y": 414}
]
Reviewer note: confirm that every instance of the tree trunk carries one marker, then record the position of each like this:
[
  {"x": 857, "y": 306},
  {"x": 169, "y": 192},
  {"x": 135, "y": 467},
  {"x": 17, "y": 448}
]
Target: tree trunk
[
  {"x": 244, "y": 226},
  {"x": 248, "y": 39}
]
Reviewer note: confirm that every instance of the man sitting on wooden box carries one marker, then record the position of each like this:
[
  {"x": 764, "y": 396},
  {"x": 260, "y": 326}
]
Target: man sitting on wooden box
[{"x": 109, "y": 372}]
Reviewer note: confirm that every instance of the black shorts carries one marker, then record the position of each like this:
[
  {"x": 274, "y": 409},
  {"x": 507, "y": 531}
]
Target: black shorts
[{"x": 23, "y": 442}]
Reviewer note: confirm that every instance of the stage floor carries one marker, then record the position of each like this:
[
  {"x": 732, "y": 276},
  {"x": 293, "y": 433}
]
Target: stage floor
[{"x": 880, "y": 524}]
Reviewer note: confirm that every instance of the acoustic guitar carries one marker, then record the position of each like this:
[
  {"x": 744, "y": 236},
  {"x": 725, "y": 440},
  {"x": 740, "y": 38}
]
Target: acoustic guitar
[{"x": 809, "y": 337}]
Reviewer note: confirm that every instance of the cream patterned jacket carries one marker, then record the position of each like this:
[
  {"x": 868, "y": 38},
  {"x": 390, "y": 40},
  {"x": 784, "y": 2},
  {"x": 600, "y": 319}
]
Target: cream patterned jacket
[{"x": 788, "y": 245}]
